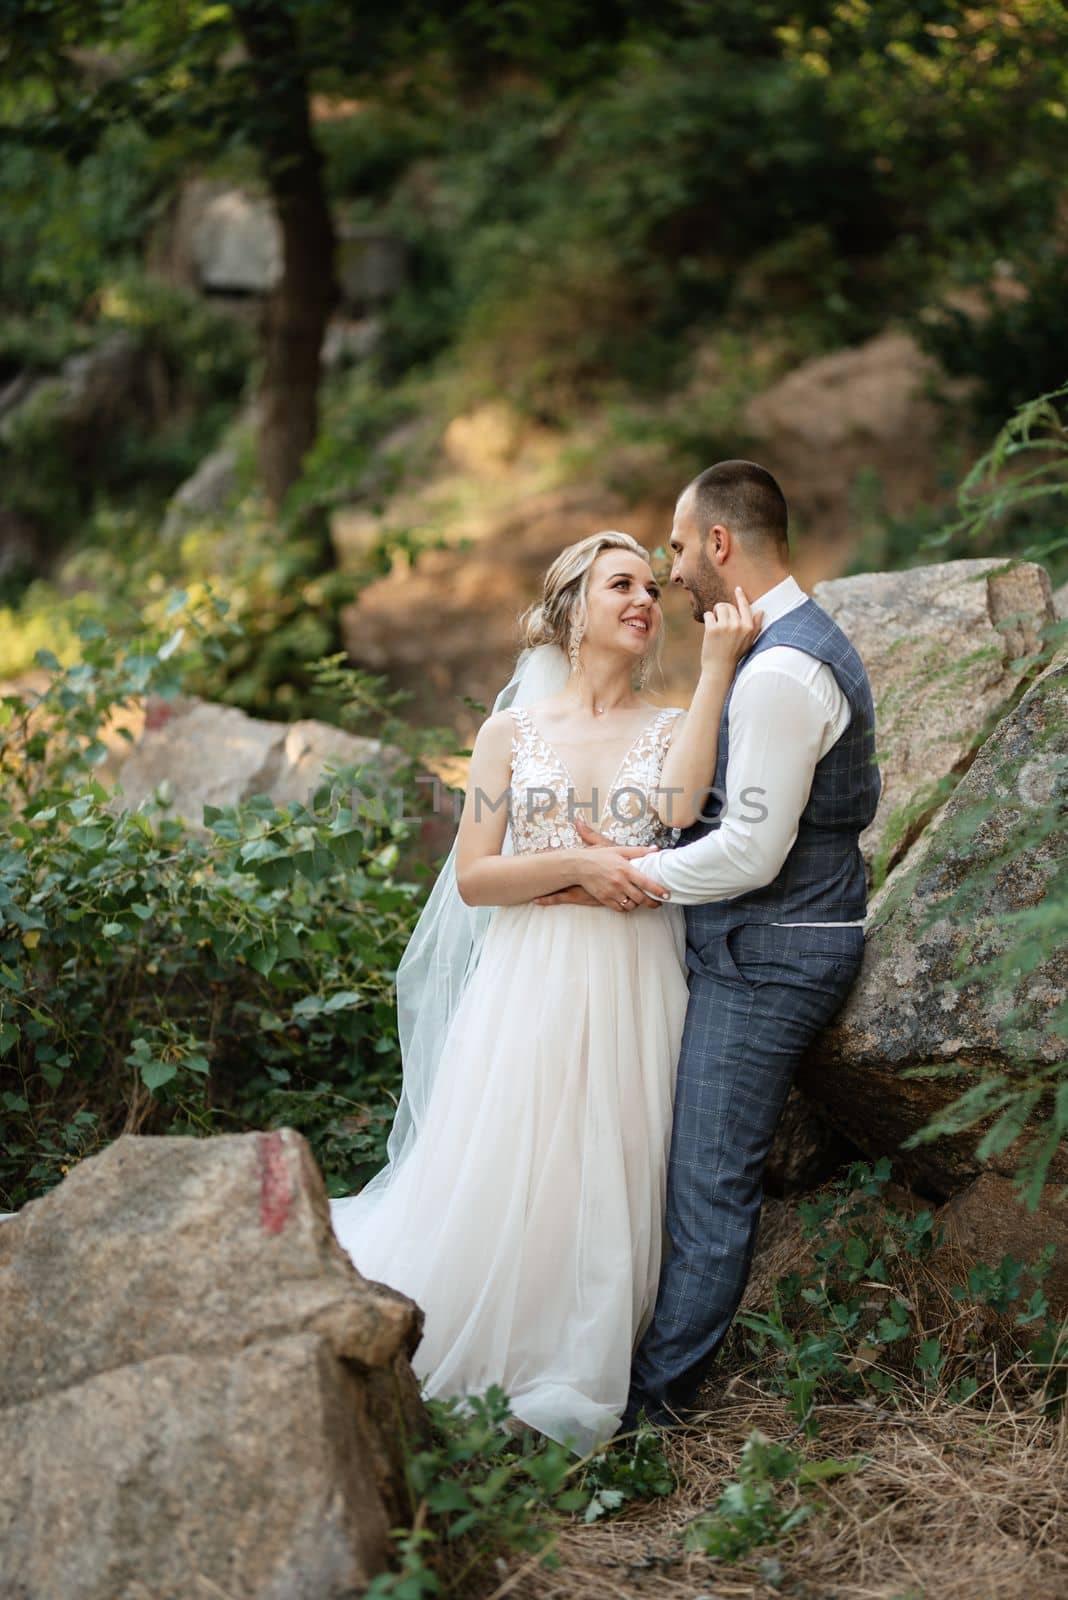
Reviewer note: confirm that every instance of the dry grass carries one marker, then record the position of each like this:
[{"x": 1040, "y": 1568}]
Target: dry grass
[
  {"x": 963, "y": 1502},
  {"x": 949, "y": 1501}
]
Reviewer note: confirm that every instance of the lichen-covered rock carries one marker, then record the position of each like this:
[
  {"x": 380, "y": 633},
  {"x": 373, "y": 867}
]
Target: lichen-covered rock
[
  {"x": 996, "y": 847},
  {"x": 942, "y": 646},
  {"x": 200, "y": 1392},
  {"x": 207, "y": 754}
]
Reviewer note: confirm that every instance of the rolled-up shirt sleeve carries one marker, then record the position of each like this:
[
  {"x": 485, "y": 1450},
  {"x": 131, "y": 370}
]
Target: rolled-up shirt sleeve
[{"x": 778, "y": 729}]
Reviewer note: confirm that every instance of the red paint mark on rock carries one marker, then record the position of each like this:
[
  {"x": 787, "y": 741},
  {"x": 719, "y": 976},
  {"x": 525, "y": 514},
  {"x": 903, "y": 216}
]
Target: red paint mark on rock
[
  {"x": 157, "y": 713},
  {"x": 276, "y": 1191}
]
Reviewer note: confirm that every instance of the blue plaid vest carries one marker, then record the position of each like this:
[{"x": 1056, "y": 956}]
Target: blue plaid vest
[{"x": 822, "y": 878}]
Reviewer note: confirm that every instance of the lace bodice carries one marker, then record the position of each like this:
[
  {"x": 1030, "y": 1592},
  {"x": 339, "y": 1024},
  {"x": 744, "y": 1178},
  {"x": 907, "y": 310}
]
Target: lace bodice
[{"x": 541, "y": 788}]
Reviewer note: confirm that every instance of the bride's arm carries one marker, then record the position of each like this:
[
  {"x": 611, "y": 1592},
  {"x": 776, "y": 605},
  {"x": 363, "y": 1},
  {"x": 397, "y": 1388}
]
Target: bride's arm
[
  {"x": 486, "y": 878},
  {"x": 690, "y": 762}
]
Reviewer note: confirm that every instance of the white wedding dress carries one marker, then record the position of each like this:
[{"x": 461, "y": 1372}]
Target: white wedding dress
[{"x": 526, "y": 1217}]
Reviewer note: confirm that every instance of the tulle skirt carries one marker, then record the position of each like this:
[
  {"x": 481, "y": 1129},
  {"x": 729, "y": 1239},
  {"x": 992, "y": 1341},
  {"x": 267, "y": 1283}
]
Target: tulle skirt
[{"x": 527, "y": 1217}]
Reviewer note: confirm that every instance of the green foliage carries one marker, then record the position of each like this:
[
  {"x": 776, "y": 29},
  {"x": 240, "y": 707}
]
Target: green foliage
[
  {"x": 1014, "y": 346},
  {"x": 177, "y": 981},
  {"x": 565, "y": 238},
  {"x": 1023, "y": 475},
  {"x": 480, "y": 1492},
  {"x": 39, "y": 343},
  {"x": 69, "y": 230},
  {"x": 264, "y": 599},
  {"x": 873, "y": 1310},
  {"x": 574, "y": 200},
  {"x": 764, "y": 1503},
  {"x": 348, "y": 463},
  {"x": 187, "y": 366},
  {"x": 470, "y": 1484}
]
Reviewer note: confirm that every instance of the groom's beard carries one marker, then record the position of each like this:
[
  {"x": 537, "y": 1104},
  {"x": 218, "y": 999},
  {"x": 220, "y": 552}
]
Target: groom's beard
[{"x": 708, "y": 588}]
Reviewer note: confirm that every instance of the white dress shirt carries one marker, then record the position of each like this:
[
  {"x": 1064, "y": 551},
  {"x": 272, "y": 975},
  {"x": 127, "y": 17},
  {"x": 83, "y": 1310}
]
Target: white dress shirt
[{"x": 786, "y": 712}]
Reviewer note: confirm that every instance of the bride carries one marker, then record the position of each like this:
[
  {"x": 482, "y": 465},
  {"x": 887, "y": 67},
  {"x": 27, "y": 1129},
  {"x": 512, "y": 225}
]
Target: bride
[{"x": 522, "y": 1203}]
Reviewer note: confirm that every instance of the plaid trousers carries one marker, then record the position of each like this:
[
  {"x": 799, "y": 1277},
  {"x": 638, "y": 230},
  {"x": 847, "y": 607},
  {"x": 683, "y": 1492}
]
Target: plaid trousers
[{"x": 758, "y": 995}]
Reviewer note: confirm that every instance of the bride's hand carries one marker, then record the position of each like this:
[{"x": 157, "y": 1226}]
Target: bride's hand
[
  {"x": 729, "y": 632},
  {"x": 610, "y": 873}
]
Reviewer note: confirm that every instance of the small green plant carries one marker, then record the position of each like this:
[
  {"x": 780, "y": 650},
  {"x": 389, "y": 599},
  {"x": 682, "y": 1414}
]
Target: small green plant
[
  {"x": 765, "y": 1502},
  {"x": 474, "y": 1495},
  {"x": 633, "y": 1469},
  {"x": 479, "y": 1492},
  {"x": 874, "y": 1311}
]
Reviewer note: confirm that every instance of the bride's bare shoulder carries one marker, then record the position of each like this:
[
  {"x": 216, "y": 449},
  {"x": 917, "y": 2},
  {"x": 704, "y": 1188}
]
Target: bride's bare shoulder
[{"x": 495, "y": 734}]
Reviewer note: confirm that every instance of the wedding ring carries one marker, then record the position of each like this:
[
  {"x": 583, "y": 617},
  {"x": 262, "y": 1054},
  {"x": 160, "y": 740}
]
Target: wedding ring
[{"x": 624, "y": 901}]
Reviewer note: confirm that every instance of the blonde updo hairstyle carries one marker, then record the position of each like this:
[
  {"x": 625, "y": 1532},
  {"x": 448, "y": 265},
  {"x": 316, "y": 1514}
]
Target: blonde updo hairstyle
[{"x": 560, "y": 616}]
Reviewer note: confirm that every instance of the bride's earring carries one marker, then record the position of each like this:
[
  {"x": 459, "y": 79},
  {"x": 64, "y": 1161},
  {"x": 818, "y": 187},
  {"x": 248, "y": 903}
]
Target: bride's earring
[
  {"x": 573, "y": 646},
  {"x": 643, "y": 672}
]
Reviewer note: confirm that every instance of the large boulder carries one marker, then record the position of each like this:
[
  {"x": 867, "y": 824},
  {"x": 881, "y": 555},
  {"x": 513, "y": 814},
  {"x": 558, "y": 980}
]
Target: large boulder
[
  {"x": 65, "y": 423},
  {"x": 194, "y": 753},
  {"x": 371, "y": 263},
  {"x": 871, "y": 414},
  {"x": 942, "y": 646},
  {"x": 95, "y": 392},
  {"x": 986, "y": 1222},
  {"x": 993, "y": 850},
  {"x": 200, "y": 1395},
  {"x": 205, "y": 494},
  {"x": 446, "y": 628},
  {"x": 220, "y": 239}
]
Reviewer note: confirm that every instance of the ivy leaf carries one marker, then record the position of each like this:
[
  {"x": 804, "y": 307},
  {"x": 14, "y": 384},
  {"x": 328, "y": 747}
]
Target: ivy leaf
[
  {"x": 927, "y": 1356},
  {"x": 263, "y": 958},
  {"x": 856, "y": 1251},
  {"x": 603, "y": 1503},
  {"x": 310, "y": 1006},
  {"x": 156, "y": 1073},
  {"x": 348, "y": 847},
  {"x": 344, "y": 1000},
  {"x": 167, "y": 650},
  {"x": 87, "y": 837}
]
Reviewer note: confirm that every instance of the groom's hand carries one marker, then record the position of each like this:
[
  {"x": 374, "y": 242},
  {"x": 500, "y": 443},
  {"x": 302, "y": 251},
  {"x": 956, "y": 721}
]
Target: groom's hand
[
  {"x": 590, "y": 835},
  {"x": 609, "y": 879},
  {"x": 567, "y": 897}
]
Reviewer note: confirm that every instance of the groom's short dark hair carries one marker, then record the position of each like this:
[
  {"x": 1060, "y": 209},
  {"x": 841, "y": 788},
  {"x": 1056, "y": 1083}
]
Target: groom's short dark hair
[{"x": 746, "y": 498}]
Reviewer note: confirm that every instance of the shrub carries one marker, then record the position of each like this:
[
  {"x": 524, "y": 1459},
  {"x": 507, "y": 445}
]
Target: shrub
[{"x": 153, "y": 978}]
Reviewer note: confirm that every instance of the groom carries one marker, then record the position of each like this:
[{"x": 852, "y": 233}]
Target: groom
[{"x": 774, "y": 885}]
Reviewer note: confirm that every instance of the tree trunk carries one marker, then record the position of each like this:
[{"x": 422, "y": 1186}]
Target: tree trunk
[{"x": 298, "y": 310}]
